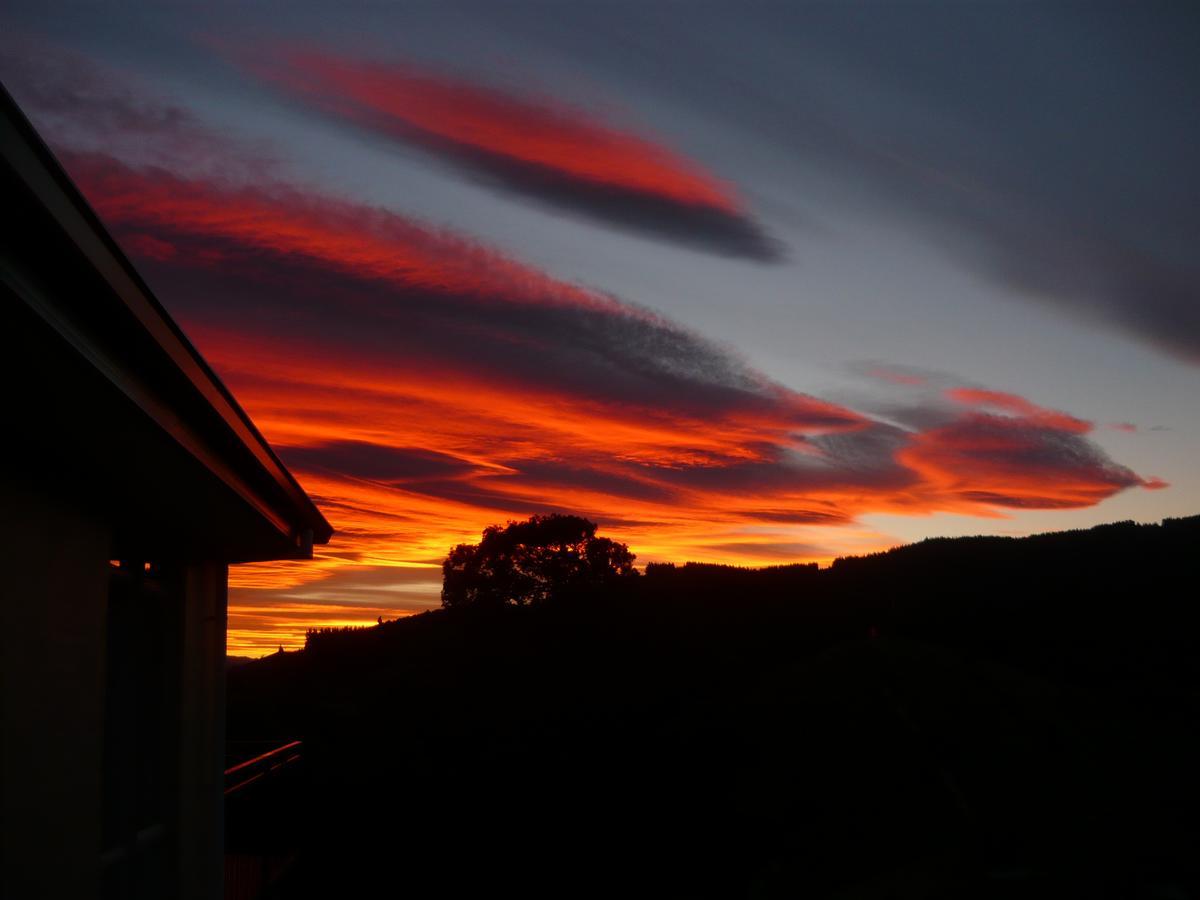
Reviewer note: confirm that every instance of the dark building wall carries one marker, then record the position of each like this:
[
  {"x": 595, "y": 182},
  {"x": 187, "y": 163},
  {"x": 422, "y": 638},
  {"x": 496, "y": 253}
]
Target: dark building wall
[
  {"x": 113, "y": 712},
  {"x": 54, "y": 565},
  {"x": 121, "y": 443},
  {"x": 202, "y": 735}
]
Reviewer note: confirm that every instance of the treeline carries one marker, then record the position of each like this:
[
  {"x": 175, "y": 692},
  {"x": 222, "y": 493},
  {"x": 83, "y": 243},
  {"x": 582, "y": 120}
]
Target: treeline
[{"x": 325, "y": 637}]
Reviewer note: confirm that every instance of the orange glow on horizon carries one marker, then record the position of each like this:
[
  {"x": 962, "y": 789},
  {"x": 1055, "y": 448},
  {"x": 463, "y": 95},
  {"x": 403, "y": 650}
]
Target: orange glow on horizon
[{"x": 256, "y": 630}]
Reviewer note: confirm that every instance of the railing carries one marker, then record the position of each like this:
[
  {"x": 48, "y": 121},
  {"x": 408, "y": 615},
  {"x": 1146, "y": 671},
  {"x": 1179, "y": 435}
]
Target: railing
[
  {"x": 263, "y": 806},
  {"x": 265, "y": 765}
]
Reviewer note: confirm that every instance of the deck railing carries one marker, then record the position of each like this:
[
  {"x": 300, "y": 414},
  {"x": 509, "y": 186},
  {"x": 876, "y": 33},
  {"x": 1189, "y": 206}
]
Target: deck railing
[
  {"x": 265, "y": 765},
  {"x": 263, "y": 805}
]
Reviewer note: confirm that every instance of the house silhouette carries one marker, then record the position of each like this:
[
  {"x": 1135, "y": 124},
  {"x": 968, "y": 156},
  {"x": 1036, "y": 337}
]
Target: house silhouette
[{"x": 131, "y": 479}]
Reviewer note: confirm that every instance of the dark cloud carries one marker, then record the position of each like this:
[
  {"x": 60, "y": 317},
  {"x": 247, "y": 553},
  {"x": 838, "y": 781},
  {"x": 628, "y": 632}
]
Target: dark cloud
[
  {"x": 830, "y": 516},
  {"x": 1063, "y": 177},
  {"x": 77, "y": 103},
  {"x": 602, "y": 476},
  {"x": 1049, "y": 147},
  {"x": 530, "y": 496},
  {"x": 375, "y": 462},
  {"x": 701, "y": 227}
]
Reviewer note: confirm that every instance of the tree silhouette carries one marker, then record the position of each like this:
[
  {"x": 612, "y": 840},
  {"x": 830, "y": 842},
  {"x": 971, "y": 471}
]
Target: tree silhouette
[{"x": 543, "y": 559}]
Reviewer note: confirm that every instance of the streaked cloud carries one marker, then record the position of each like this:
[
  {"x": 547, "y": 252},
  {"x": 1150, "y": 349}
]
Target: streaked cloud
[
  {"x": 420, "y": 394},
  {"x": 1067, "y": 180},
  {"x": 534, "y": 145}
]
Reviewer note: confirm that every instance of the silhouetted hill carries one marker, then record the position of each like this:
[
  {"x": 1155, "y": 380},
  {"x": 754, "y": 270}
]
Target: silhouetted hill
[{"x": 982, "y": 717}]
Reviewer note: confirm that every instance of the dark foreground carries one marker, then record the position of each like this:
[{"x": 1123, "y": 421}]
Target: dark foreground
[{"x": 971, "y": 718}]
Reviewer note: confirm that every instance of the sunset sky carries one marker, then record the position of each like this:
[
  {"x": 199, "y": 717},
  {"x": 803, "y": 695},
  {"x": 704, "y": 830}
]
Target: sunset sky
[{"x": 744, "y": 283}]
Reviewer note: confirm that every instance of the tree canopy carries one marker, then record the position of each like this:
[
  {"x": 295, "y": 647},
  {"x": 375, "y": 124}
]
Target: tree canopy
[{"x": 540, "y": 560}]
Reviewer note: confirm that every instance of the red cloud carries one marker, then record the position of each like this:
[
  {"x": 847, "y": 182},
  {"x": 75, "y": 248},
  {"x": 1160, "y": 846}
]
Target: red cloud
[
  {"x": 352, "y": 239},
  {"x": 1022, "y": 462},
  {"x": 537, "y": 147},
  {"x": 1019, "y": 406},
  {"x": 543, "y": 134}
]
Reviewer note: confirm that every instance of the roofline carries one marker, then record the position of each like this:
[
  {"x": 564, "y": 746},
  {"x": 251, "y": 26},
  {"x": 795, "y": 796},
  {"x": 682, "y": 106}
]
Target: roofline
[{"x": 33, "y": 160}]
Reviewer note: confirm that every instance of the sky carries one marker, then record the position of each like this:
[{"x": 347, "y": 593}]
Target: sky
[{"x": 746, "y": 283}]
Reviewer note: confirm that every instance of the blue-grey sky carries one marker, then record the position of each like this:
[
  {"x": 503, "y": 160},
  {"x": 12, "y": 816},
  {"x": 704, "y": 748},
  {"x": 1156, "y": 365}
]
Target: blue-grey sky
[{"x": 742, "y": 281}]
